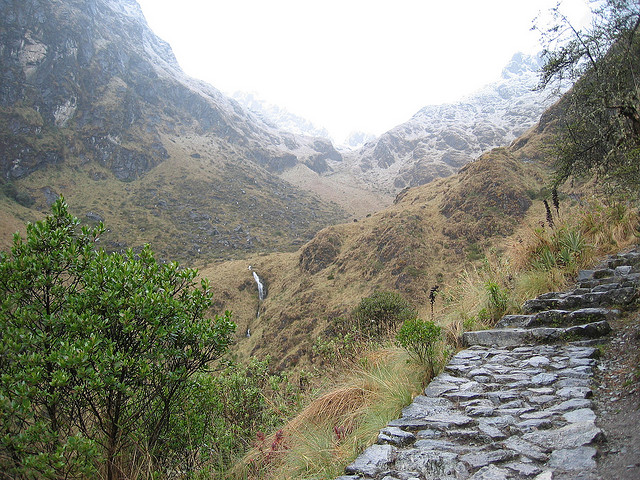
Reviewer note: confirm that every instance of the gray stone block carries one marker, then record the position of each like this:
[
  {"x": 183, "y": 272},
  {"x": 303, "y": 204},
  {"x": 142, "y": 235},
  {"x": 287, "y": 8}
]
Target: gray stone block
[
  {"x": 395, "y": 436},
  {"x": 574, "y": 435},
  {"x": 373, "y": 460},
  {"x": 573, "y": 459},
  {"x": 429, "y": 463}
]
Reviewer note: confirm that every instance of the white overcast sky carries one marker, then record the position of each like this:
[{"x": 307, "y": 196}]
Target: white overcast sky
[{"x": 350, "y": 65}]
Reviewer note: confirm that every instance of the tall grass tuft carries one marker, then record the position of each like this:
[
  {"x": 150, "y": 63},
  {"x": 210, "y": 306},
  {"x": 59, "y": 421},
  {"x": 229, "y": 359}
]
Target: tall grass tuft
[
  {"x": 548, "y": 259},
  {"x": 479, "y": 297},
  {"x": 337, "y": 425}
]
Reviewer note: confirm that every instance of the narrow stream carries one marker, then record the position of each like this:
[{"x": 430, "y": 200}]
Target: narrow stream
[
  {"x": 260, "y": 286},
  {"x": 261, "y": 295}
]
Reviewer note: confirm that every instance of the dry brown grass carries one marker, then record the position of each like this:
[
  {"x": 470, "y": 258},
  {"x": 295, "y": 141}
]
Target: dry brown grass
[
  {"x": 337, "y": 424},
  {"x": 408, "y": 248}
]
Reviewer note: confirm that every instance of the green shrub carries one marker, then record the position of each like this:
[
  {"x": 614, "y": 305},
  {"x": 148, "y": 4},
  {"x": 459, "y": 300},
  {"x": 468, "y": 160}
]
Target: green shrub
[
  {"x": 221, "y": 416},
  {"x": 420, "y": 339},
  {"x": 379, "y": 314}
]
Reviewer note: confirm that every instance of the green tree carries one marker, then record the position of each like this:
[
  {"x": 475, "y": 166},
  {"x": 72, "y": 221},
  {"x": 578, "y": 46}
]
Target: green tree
[
  {"x": 599, "y": 134},
  {"x": 97, "y": 350},
  {"x": 39, "y": 281}
]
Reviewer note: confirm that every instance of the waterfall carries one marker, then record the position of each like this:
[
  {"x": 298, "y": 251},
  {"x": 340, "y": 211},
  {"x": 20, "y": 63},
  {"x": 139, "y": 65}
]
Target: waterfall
[{"x": 260, "y": 286}]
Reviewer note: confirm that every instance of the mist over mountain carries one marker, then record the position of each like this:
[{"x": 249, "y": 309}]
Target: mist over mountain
[
  {"x": 439, "y": 139},
  {"x": 279, "y": 117},
  {"x": 358, "y": 139},
  {"x": 283, "y": 119},
  {"x": 95, "y": 68}
]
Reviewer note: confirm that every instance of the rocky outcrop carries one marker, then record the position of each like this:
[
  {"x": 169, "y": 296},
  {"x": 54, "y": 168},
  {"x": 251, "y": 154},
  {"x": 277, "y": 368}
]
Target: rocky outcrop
[
  {"x": 517, "y": 403},
  {"x": 319, "y": 253}
]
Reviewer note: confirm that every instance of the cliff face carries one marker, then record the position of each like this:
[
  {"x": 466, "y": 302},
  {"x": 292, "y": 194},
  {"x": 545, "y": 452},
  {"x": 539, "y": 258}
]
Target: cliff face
[{"x": 88, "y": 78}]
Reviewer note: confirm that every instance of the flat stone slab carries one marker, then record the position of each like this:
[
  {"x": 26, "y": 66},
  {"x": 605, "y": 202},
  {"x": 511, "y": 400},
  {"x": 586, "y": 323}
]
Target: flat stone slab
[
  {"x": 429, "y": 463},
  {"x": 573, "y": 459},
  {"x": 374, "y": 460},
  {"x": 396, "y": 436},
  {"x": 574, "y": 435},
  {"x": 510, "y": 337}
]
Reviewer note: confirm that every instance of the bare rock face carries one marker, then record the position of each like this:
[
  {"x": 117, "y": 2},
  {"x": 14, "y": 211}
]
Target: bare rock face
[
  {"x": 85, "y": 85},
  {"x": 89, "y": 79}
]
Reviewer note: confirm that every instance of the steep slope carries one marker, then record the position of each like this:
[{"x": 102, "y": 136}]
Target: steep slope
[
  {"x": 440, "y": 139},
  {"x": 95, "y": 71},
  {"x": 427, "y": 237},
  {"x": 92, "y": 102}
]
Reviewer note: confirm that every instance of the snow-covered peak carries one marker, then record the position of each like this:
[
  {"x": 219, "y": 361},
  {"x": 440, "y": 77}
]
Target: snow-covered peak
[
  {"x": 522, "y": 64},
  {"x": 439, "y": 139},
  {"x": 279, "y": 117}
]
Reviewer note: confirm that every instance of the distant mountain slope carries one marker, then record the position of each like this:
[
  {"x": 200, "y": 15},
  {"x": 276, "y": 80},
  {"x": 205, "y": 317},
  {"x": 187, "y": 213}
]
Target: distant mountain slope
[
  {"x": 423, "y": 239},
  {"x": 428, "y": 236},
  {"x": 440, "y": 139},
  {"x": 92, "y": 101}
]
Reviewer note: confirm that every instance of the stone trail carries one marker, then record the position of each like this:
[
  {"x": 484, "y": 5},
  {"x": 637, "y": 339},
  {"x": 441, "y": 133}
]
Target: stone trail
[{"x": 516, "y": 403}]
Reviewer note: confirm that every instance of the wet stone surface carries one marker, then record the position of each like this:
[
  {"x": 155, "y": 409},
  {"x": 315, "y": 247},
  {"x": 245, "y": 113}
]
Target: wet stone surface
[
  {"x": 517, "y": 403},
  {"x": 519, "y": 423}
]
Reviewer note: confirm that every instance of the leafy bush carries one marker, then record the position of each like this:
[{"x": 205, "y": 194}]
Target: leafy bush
[
  {"x": 420, "y": 338},
  {"x": 381, "y": 313},
  {"x": 221, "y": 415},
  {"x": 97, "y": 351}
]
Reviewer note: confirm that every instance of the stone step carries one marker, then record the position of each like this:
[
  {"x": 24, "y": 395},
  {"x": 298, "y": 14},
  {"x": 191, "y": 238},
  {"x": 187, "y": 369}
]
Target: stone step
[
  {"x": 616, "y": 281},
  {"x": 572, "y": 301},
  {"x": 511, "y": 337},
  {"x": 558, "y": 318},
  {"x": 631, "y": 258},
  {"x": 505, "y": 413}
]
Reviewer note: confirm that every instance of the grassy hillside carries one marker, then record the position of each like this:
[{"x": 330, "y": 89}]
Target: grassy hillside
[
  {"x": 424, "y": 239},
  {"x": 204, "y": 202}
]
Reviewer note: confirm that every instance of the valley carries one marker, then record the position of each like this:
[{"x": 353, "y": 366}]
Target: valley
[
  {"x": 289, "y": 234},
  {"x": 166, "y": 160}
]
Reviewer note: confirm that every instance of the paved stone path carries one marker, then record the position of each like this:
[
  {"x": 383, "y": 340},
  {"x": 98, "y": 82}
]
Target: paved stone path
[{"x": 516, "y": 403}]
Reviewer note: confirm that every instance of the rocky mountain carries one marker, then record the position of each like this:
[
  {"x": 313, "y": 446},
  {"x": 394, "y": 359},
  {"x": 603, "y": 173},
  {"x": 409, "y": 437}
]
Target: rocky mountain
[
  {"x": 94, "y": 69},
  {"x": 87, "y": 90},
  {"x": 439, "y": 139},
  {"x": 357, "y": 140}
]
